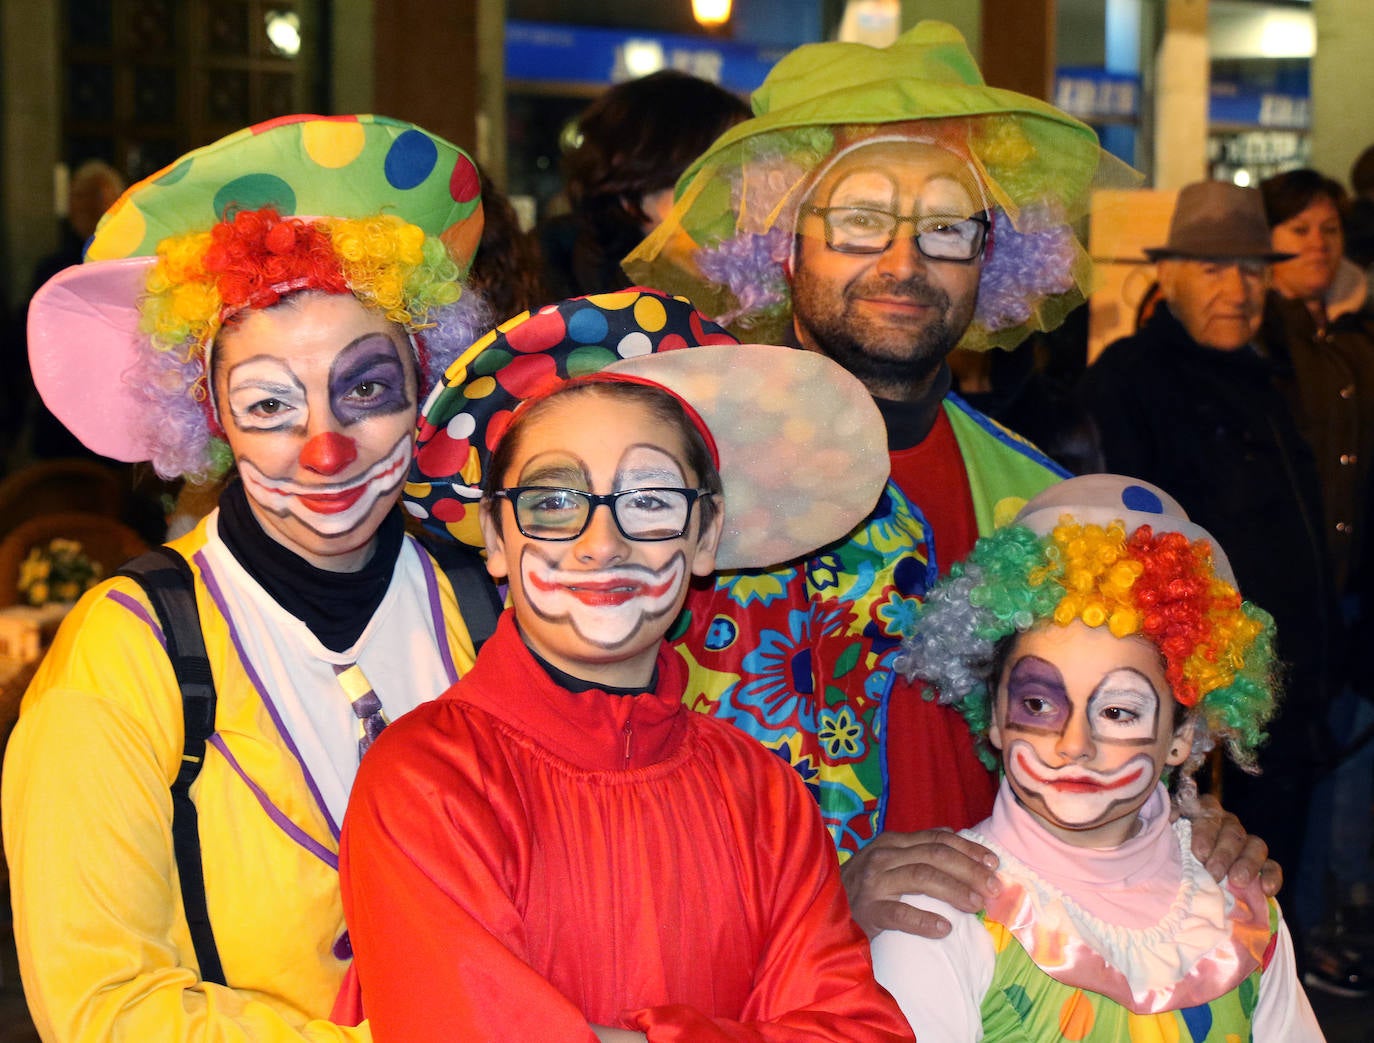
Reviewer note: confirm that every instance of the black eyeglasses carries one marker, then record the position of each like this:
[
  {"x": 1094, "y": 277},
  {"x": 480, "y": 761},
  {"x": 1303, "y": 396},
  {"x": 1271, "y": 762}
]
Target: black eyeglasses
[
  {"x": 867, "y": 230},
  {"x": 545, "y": 512}
]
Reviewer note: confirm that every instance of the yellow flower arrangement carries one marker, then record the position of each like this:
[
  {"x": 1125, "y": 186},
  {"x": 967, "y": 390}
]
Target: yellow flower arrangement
[{"x": 57, "y": 571}]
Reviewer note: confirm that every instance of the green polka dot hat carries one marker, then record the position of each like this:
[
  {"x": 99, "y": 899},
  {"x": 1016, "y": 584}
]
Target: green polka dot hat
[{"x": 84, "y": 323}]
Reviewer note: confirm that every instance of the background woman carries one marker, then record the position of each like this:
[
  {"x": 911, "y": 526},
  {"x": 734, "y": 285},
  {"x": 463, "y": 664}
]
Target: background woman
[
  {"x": 1319, "y": 324},
  {"x": 632, "y": 144}
]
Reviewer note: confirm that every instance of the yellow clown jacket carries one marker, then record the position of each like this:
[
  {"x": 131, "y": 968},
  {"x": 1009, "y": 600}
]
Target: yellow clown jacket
[{"x": 104, "y": 949}]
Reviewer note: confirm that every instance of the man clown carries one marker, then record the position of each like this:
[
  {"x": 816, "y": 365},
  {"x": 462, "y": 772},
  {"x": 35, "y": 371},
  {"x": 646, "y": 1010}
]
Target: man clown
[{"x": 883, "y": 207}]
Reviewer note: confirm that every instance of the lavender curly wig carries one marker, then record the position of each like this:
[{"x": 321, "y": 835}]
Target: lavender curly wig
[{"x": 179, "y": 429}]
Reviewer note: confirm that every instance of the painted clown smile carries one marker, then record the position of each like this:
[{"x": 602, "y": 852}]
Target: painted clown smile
[
  {"x": 1074, "y": 783},
  {"x": 328, "y": 509},
  {"x": 606, "y": 607},
  {"x": 1072, "y": 796}
]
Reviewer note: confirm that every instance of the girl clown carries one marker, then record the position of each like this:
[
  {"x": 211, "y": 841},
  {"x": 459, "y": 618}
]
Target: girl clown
[{"x": 1099, "y": 643}]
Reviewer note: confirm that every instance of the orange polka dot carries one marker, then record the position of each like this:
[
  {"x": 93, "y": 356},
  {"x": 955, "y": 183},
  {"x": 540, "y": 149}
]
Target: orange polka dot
[
  {"x": 121, "y": 233},
  {"x": 1076, "y": 1016},
  {"x": 1000, "y": 935}
]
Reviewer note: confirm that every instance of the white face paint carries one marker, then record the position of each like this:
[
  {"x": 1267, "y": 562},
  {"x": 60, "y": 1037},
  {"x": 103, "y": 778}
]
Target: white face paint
[
  {"x": 1082, "y": 722},
  {"x": 597, "y": 606},
  {"x": 605, "y": 607},
  {"x": 332, "y": 508},
  {"x": 1073, "y": 797},
  {"x": 318, "y": 399}
]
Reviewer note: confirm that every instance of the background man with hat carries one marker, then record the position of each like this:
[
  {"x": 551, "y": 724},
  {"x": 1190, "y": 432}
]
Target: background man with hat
[
  {"x": 1190, "y": 403},
  {"x": 882, "y": 207}
]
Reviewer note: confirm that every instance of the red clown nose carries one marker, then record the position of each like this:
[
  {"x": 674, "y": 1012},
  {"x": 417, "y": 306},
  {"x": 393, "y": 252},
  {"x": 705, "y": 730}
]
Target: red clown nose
[{"x": 329, "y": 453}]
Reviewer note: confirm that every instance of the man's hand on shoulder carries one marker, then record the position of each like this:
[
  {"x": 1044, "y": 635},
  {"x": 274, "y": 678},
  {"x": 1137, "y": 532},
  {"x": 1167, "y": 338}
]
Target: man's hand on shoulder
[
  {"x": 934, "y": 862},
  {"x": 1223, "y": 846}
]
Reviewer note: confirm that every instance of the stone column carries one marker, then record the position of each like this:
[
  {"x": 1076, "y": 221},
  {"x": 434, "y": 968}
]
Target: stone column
[
  {"x": 491, "y": 89},
  {"x": 30, "y": 131},
  {"x": 351, "y": 56},
  {"x": 1342, "y": 84},
  {"x": 1182, "y": 79}
]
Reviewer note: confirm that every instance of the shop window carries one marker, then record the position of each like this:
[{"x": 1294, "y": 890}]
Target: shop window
[{"x": 147, "y": 80}]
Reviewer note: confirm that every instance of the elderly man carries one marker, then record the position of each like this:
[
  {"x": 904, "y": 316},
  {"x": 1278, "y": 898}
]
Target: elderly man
[
  {"x": 1192, "y": 403},
  {"x": 882, "y": 207}
]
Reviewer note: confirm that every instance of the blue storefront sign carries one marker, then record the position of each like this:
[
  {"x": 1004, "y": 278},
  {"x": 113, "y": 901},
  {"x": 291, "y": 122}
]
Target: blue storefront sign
[
  {"x": 1096, "y": 95},
  {"x": 586, "y": 56},
  {"x": 1239, "y": 105}
]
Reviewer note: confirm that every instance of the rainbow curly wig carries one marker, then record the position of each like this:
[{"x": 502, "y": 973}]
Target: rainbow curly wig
[
  {"x": 202, "y": 281},
  {"x": 1217, "y": 650}
]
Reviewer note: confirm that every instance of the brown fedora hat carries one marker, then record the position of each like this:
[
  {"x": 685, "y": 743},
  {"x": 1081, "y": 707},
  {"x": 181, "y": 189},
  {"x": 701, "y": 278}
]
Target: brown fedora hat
[{"x": 1216, "y": 220}]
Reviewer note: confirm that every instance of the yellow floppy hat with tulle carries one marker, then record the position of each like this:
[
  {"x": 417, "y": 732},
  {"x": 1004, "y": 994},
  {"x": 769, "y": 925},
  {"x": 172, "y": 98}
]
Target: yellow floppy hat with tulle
[{"x": 727, "y": 241}]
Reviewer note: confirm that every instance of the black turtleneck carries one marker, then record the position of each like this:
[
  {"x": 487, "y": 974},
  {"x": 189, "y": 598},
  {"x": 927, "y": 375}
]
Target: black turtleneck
[
  {"x": 336, "y": 606},
  {"x": 908, "y": 423},
  {"x": 569, "y": 683}
]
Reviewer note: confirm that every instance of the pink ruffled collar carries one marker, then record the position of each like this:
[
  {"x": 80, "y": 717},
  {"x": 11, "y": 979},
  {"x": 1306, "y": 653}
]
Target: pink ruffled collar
[{"x": 1143, "y": 924}]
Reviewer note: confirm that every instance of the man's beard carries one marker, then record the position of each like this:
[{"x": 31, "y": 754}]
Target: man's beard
[{"x": 888, "y": 361}]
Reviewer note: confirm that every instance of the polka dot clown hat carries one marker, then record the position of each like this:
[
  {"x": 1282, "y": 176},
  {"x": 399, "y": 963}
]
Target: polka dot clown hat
[
  {"x": 801, "y": 446},
  {"x": 1100, "y": 499},
  {"x": 85, "y": 335}
]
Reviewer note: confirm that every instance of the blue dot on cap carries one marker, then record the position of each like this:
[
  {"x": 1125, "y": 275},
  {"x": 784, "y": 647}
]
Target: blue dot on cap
[
  {"x": 1138, "y": 498},
  {"x": 410, "y": 159},
  {"x": 588, "y": 326},
  {"x": 253, "y": 192}
]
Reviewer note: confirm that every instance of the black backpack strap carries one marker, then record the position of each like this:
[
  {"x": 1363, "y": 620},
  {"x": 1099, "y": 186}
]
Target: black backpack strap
[
  {"x": 166, "y": 578},
  {"x": 472, "y": 586}
]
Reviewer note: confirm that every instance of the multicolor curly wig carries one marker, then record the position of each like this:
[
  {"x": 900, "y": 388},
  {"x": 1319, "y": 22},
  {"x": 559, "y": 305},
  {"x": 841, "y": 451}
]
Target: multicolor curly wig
[
  {"x": 1217, "y": 650},
  {"x": 204, "y": 281}
]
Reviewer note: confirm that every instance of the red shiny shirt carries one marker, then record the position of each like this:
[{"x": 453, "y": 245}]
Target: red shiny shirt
[{"x": 519, "y": 860}]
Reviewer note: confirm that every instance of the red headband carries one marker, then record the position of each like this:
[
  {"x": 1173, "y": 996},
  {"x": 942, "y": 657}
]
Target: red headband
[{"x": 603, "y": 377}]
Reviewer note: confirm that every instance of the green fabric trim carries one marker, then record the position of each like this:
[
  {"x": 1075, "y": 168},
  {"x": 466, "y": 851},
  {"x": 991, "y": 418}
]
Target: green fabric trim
[
  {"x": 1024, "y": 1004},
  {"x": 1004, "y": 470}
]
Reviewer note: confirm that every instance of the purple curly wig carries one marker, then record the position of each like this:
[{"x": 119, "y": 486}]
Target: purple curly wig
[{"x": 178, "y": 424}]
